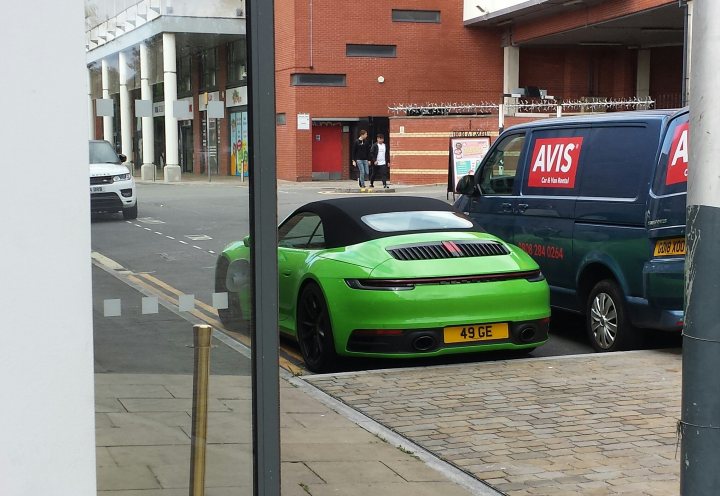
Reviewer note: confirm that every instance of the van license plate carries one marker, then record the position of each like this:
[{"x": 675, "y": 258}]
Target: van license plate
[
  {"x": 96, "y": 189},
  {"x": 476, "y": 332},
  {"x": 669, "y": 247}
]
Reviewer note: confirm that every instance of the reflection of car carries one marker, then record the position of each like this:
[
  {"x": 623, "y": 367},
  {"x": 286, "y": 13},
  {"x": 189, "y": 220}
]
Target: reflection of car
[
  {"x": 393, "y": 277},
  {"x": 112, "y": 187}
]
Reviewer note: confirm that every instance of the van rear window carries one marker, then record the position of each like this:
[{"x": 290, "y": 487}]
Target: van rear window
[{"x": 671, "y": 173}]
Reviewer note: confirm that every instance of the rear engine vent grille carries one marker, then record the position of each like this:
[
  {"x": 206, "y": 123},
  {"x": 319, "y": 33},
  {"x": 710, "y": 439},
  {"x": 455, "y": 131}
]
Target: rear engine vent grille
[{"x": 448, "y": 249}]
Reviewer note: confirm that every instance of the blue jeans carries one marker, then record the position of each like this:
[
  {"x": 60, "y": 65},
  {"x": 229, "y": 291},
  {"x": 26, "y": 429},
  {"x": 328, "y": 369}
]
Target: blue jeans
[{"x": 363, "y": 170}]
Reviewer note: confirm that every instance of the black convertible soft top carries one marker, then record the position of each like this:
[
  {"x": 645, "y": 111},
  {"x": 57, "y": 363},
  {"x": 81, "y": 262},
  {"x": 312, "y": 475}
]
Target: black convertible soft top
[{"x": 342, "y": 217}]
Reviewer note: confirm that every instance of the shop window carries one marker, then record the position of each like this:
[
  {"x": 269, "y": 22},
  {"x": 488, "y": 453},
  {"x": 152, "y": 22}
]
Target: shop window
[
  {"x": 432, "y": 16},
  {"x": 370, "y": 50},
  {"x": 208, "y": 69},
  {"x": 237, "y": 61},
  {"x": 184, "y": 76},
  {"x": 318, "y": 79}
]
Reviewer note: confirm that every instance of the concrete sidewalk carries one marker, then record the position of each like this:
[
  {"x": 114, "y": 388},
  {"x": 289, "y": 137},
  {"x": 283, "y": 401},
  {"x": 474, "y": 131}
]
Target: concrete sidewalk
[
  {"x": 339, "y": 186},
  {"x": 143, "y": 427}
]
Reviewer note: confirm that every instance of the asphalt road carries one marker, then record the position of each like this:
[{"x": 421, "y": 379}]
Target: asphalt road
[{"x": 181, "y": 228}]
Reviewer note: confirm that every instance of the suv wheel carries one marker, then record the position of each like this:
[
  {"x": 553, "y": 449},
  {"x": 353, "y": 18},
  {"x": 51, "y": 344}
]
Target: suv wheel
[{"x": 130, "y": 213}]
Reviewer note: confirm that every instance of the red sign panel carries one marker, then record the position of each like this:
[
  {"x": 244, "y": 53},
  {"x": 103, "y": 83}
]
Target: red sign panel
[
  {"x": 555, "y": 162},
  {"x": 677, "y": 167}
]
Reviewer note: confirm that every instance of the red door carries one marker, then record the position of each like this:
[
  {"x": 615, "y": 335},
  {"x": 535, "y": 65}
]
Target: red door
[{"x": 327, "y": 151}]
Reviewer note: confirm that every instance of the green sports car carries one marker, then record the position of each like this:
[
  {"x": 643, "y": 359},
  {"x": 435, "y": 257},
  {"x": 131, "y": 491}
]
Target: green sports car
[{"x": 396, "y": 277}]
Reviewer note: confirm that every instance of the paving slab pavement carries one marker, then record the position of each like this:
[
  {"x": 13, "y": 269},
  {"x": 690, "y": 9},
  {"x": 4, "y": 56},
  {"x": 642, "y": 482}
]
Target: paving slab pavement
[
  {"x": 591, "y": 424},
  {"x": 146, "y": 451}
]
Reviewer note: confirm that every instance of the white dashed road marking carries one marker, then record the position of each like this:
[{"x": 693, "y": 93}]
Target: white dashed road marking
[{"x": 198, "y": 237}]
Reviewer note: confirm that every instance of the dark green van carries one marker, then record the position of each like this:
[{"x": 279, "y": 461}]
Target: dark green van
[{"x": 599, "y": 202}]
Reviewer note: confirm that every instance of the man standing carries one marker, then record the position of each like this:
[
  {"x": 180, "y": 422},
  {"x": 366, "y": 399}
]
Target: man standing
[
  {"x": 380, "y": 156},
  {"x": 360, "y": 157}
]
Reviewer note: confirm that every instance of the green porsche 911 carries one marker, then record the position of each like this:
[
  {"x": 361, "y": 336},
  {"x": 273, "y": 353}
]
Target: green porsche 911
[{"x": 396, "y": 277}]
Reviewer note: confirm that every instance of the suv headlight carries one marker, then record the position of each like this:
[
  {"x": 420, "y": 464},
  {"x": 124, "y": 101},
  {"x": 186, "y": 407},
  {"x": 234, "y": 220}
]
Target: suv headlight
[{"x": 121, "y": 177}]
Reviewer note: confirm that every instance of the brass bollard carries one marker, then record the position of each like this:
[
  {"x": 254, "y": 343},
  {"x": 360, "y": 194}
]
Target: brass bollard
[{"x": 202, "y": 335}]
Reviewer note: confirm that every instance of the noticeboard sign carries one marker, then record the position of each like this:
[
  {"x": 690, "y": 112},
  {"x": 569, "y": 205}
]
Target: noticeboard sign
[{"x": 465, "y": 157}]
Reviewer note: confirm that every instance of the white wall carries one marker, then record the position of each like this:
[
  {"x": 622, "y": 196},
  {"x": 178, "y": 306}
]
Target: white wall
[{"x": 46, "y": 363}]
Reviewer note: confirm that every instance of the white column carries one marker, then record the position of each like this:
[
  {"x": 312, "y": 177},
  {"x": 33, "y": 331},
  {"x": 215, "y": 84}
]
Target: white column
[
  {"x": 172, "y": 167},
  {"x": 147, "y": 171},
  {"x": 108, "y": 131},
  {"x": 126, "y": 119},
  {"x": 511, "y": 74},
  {"x": 642, "y": 81},
  {"x": 91, "y": 107}
]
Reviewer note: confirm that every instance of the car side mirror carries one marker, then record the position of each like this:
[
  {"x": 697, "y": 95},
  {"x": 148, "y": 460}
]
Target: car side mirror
[
  {"x": 122, "y": 158},
  {"x": 466, "y": 185},
  {"x": 246, "y": 241}
]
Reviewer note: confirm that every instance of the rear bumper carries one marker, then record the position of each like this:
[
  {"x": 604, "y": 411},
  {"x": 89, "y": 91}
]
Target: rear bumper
[
  {"x": 662, "y": 307},
  {"x": 428, "y": 309},
  {"x": 430, "y": 341}
]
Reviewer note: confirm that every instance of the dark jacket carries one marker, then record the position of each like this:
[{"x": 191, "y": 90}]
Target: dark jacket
[
  {"x": 361, "y": 149},
  {"x": 374, "y": 153}
]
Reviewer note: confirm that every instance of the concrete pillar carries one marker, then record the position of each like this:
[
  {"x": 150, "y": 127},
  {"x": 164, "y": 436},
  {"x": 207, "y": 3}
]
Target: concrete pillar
[
  {"x": 511, "y": 74},
  {"x": 172, "y": 167},
  {"x": 642, "y": 85},
  {"x": 147, "y": 171},
  {"x": 700, "y": 410},
  {"x": 126, "y": 119},
  {"x": 108, "y": 131},
  {"x": 91, "y": 107}
]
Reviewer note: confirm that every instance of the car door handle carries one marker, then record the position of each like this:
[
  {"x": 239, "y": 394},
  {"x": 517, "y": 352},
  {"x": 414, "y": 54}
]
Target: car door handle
[
  {"x": 286, "y": 272},
  {"x": 506, "y": 207},
  {"x": 522, "y": 207}
]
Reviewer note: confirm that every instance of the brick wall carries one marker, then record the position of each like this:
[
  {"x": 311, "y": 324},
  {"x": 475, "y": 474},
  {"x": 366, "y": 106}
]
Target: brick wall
[
  {"x": 420, "y": 153},
  {"x": 435, "y": 63},
  {"x": 574, "y": 72}
]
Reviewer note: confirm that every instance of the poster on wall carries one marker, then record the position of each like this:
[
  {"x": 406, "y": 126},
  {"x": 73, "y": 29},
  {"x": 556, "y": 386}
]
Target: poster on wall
[
  {"x": 239, "y": 143},
  {"x": 466, "y": 153}
]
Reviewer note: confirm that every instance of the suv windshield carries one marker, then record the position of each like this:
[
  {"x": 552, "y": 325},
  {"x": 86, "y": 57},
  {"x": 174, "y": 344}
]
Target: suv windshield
[{"x": 101, "y": 152}]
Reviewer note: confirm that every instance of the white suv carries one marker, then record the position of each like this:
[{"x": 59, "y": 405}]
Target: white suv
[{"x": 112, "y": 187}]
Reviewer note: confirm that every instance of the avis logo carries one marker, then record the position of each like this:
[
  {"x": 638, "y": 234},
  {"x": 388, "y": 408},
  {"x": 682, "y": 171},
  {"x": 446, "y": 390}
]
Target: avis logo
[
  {"x": 677, "y": 168},
  {"x": 555, "y": 162}
]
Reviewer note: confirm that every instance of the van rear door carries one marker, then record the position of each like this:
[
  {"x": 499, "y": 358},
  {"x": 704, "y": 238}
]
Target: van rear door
[{"x": 663, "y": 274}]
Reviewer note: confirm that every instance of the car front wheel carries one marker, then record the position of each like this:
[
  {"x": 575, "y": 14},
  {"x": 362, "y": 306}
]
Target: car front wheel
[
  {"x": 314, "y": 330},
  {"x": 130, "y": 213}
]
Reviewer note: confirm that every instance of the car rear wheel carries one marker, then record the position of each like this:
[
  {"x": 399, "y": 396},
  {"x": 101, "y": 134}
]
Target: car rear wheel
[
  {"x": 130, "y": 213},
  {"x": 608, "y": 326},
  {"x": 314, "y": 330},
  {"x": 232, "y": 316}
]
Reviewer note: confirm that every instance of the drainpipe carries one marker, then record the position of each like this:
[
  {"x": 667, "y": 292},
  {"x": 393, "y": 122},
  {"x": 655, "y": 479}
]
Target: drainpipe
[{"x": 310, "y": 15}]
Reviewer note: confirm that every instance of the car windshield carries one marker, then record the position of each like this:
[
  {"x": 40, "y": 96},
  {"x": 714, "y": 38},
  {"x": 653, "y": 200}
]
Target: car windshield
[
  {"x": 416, "y": 221},
  {"x": 102, "y": 152}
]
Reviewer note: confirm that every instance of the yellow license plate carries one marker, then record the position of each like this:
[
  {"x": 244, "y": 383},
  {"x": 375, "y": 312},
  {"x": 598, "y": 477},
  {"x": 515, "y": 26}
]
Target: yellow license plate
[
  {"x": 669, "y": 247},
  {"x": 476, "y": 332}
]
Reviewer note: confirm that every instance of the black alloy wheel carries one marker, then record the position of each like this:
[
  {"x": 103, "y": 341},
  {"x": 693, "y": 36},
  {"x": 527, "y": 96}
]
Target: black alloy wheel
[{"x": 314, "y": 330}]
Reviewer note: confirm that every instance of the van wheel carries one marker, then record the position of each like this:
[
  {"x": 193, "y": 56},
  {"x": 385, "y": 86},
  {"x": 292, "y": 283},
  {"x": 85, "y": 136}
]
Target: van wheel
[{"x": 607, "y": 324}]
